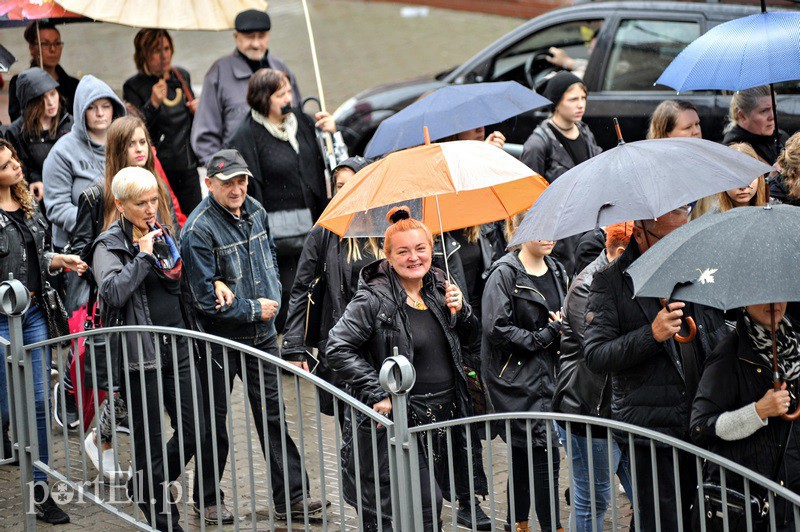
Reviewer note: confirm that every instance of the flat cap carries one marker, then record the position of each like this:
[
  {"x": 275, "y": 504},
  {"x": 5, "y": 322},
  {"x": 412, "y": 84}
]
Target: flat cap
[{"x": 252, "y": 20}]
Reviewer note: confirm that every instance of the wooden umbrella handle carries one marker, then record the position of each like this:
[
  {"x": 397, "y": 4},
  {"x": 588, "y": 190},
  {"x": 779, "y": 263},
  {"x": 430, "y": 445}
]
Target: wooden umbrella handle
[
  {"x": 792, "y": 417},
  {"x": 690, "y": 324}
]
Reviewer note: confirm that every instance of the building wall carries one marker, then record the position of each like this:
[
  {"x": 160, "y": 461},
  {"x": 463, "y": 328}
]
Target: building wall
[{"x": 511, "y": 8}]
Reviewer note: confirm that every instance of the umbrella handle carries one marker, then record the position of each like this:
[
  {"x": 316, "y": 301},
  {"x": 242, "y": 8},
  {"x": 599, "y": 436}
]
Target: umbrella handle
[
  {"x": 792, "y": 417},
  {"x": 690, "y": 324}
]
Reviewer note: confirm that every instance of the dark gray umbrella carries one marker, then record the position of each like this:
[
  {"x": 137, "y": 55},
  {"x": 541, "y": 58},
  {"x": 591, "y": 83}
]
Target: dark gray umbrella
[
  {"x": 746, "y": 256},
  {"x": 635, "y": 181},
  {"x": 6, "y": 59}
]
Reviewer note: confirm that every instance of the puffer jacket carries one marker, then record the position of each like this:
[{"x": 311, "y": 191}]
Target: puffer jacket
[
  {"x": 648, "y": 380},
  {"x": 735, "y": 377},
  {"x": 578, "y": 389},
  {"x": 373, "y": 324},
  {"x": 520, "y": 348}
]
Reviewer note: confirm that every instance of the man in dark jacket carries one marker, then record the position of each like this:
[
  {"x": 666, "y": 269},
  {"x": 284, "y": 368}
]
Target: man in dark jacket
[
  {"x": 223, "y": 101},
  {"x": 227, "y": 238},
  {"x": 581, "y": 391},
  {"x": 654, "y": 379}
]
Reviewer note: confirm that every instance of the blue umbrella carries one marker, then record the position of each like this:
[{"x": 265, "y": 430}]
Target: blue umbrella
[
  {"x": 451, "y": 110},
  {"x": 740, "y": 54}
]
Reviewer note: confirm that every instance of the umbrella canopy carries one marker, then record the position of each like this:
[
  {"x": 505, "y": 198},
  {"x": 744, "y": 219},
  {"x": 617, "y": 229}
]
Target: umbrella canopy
[
  {"x": 636, "y": 181},
  {"x": 746, "y": 256},
  {"x": 165, "y": 14},
  {"x": 451, "y": 110},
  {"x": 474, "y": 183},
  {"x": 6, "y": 59},
  {"x": 21, "y": 12},
  {"x": 740, "y": 54}
]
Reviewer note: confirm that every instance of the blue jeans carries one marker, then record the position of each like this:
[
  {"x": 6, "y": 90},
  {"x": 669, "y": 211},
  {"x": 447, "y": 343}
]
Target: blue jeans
[
  {"x": 581, "y": 498},
  {"x": 34, "y": 329}
]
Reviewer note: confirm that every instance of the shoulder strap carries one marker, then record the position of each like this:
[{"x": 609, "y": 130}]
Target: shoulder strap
[
  {"x": 187, "y": 90},
  {"x": 322, "y": 259}
]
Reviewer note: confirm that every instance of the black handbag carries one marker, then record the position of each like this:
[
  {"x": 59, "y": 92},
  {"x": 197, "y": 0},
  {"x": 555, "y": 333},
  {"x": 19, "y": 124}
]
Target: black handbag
[
  {"x": 55, "y": 312},
  {"x": 737, "y": 510},
  {"x": 315, "y": 296},
  {"x": 100, "y": 350}
]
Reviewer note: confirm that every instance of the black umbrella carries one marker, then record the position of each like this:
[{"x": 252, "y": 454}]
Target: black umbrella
[
  {"x": 6, "y": 59},
  {"x": 746, "y": 256}
]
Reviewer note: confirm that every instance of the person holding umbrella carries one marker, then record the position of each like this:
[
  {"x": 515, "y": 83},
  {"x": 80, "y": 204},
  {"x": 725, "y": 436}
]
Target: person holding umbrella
[
  {"x": 751, "y": 119},
  {"x": 737, "y": 412},
  {"x": 654, "y": 378},
  {"x": 562, "y": 142},
  {"x": 399, "y": 294},
  {"x": 521, "y": 328}
]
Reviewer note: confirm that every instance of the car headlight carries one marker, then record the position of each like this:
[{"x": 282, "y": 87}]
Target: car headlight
[{"x": 344, "y": 109}]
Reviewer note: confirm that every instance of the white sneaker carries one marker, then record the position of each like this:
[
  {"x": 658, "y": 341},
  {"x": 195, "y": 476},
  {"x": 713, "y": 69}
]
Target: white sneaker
[
  {"x": 92, "y": 452},
  {"x": 112, "y": 471}
]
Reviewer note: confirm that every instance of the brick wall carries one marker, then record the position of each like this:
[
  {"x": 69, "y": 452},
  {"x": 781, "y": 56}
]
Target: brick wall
[{"x": 511, "y": 8}]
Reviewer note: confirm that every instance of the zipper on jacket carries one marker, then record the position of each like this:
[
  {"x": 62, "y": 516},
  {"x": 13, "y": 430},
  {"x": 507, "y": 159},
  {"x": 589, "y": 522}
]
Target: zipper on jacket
[
  {"x": 532, "y": 289},
  {"x": 505, "y": 365}
]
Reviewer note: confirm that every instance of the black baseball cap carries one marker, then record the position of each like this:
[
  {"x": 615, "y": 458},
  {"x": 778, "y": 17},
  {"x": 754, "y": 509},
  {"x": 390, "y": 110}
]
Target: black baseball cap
[
  {"x": 226, "y": 164},
  {"x": 252, "y": 20}
]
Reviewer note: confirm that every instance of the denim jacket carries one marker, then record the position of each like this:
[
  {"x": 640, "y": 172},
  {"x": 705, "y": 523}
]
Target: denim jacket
[
  {"x": 239, "y": 251},
  {"x": 13, "y": 253}
]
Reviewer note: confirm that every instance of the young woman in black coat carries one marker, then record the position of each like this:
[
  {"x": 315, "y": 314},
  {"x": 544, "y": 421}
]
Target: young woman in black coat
[
  {"x": 736, "y": 412},
  {"x": 521, "y": 321},
  {"x": 396, "y": 296}
]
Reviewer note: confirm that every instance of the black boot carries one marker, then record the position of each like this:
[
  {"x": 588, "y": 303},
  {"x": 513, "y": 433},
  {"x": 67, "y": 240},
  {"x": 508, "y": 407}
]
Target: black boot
[
  {"x": 47, "y": 510},
  {"x": 464, "y": 516}
]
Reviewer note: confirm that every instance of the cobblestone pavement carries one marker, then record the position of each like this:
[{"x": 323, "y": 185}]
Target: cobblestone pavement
[{"x": 250, "y": 479}]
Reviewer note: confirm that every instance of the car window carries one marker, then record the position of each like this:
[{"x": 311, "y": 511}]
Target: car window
[
  {"x": 643, "y": 49},
  {"x": 573, "y": 38}
]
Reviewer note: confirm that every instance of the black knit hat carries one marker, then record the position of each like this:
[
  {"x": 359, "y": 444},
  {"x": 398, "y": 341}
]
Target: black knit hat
[
  {"x": 556, "y": 86},
  {"x": 355, "y": 163},
  {"x": 252, "y": 20}
]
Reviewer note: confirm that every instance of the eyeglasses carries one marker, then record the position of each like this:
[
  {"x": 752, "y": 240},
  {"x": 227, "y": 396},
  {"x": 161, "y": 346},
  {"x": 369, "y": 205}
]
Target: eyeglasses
[
  {"x": 649, "y": 232},
  {"x": 54, "y": 44}
]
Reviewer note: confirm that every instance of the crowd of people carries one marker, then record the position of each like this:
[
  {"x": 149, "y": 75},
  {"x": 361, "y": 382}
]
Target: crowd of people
[{"x": 101, "y": 201}]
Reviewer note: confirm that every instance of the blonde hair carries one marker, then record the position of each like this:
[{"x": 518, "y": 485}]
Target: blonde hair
[
  {"x": 512, "y": 224},
  {"x": 355, "y": 246},
  {"x": 744, "y": 102},
  {"x": 132, "y": 182},
  {"x": 401, "y": 221},
  {"x": 19, "y": 191},
  {"x": 789, "y": 161}
]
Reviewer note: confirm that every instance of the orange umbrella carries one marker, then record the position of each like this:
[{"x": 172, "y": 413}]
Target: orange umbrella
[{"x": 448, "y": 186}]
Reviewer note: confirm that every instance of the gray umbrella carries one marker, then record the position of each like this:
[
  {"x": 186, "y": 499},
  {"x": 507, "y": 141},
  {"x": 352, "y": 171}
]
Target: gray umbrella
[
  {"x": 635, "y": 181},
  {"x": 746, "y": 256},
  {"x": 6, "y": 59}
]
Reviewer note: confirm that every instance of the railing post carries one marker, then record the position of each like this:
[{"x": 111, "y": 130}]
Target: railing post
[
  {"x": 397, "y": 376},
  {"x": 14, "y": 301}
]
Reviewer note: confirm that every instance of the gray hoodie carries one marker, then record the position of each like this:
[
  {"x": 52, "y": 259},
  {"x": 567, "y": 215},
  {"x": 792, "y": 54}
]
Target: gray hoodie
[{"x": 75, "y": 162}]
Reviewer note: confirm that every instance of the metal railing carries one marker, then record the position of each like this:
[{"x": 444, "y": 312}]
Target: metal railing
[{"x": 395, "y": 498}]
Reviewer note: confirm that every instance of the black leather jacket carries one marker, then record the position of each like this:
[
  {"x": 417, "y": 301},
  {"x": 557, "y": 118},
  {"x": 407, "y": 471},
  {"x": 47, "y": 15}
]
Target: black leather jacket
[
  {"x": 170, "y": 126},
  {"x": 519, "y": 349},
  {"x": 13, "y": 252}
]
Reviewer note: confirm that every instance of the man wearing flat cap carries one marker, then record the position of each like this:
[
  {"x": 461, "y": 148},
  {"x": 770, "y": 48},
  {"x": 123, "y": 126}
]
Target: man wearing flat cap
[{"x": 223, "y": 102}]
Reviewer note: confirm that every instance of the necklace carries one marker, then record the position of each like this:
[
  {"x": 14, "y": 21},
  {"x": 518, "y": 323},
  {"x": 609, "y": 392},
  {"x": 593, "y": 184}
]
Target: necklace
[
  {"x": 567, "y": 130},
  {"x": 418, "y": 304}
]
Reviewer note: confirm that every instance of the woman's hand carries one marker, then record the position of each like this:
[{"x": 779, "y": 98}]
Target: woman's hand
[
  {"x": 37, "y": 189},
  {"x": 224, "y": 295},
  {"x": 496, "y": 138},
  {"x": 146, "y": 242},
  {"x": 68, "y": 262},
  {"x": 453, "y": 298},
  {"x": 192, "y": 106},
  {"x": 555, "y": 316},
  {"x": 325, "y": 122},
  {"x": 383, "y": 407},
  {"x": 159, "y": 92},
  {"x": 773, "y": 403}
]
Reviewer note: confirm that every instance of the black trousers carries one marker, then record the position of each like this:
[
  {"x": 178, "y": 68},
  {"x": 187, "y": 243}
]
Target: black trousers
[
  {"x": 186, "y": 186},
  {"x": 146, "y": 410},
  {"x": 666, "y": 500},
  {"x": 268, "y": 403},
  {"x": 541, "y": 485}
]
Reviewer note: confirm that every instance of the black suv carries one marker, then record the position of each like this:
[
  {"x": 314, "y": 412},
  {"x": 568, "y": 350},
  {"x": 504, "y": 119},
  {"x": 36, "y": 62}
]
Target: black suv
[{"x": 635, "y": 41}]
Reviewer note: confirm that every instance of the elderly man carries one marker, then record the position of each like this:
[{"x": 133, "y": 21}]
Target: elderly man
[
  {"x": 654, "y": 378},
  {"x": 227, "y": 239},
  {"x": 223, "y": 102}
]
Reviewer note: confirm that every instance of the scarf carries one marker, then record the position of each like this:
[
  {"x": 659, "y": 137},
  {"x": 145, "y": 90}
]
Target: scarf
[
  {"x": 169, "y": 265},
  {"x": 788, "y": 349},
  {"x": 287, "y": 132}
]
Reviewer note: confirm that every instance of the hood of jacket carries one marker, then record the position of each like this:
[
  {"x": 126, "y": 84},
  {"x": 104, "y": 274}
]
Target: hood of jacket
[
  {"x": 31, "y": 84},
  {"x": 91, "y": 89}
]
